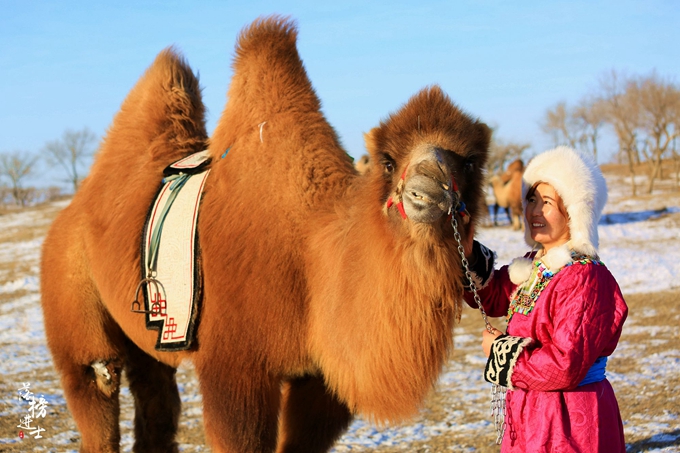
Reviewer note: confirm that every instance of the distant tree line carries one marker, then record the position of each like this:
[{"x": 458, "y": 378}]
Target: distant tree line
[
  {"x": 643, "y": 112},
  {"x": 71, "y": 154}
]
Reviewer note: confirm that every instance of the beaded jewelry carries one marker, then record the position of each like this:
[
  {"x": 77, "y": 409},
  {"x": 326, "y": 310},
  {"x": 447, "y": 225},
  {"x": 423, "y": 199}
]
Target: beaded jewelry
[{"x": 526, "y": 294}]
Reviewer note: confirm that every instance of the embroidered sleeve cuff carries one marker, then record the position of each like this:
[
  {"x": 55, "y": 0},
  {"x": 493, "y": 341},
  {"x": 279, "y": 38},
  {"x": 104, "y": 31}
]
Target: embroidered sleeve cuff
[
  {"x": 504, "y": 353},
  {"x": 481, "y": 264}
]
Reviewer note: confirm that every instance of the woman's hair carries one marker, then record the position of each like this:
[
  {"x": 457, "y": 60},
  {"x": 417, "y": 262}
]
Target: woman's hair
[
  {"x": 532, "y": 190},
  {"x": 560, "y": 202}
]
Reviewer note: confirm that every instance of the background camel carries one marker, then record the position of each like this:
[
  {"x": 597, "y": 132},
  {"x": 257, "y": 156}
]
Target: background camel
[
  {"x": 362, "y": 164},
  {"x": 507, "y": 192},
  {"x": 304, "y": 322}
]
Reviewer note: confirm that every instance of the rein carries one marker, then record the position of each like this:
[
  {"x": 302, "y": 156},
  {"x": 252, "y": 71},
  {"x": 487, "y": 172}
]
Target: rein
[{"x": 498, "y": 410}]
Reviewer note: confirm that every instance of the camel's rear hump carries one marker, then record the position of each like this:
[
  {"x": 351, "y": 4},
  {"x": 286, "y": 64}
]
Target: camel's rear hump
[{"x": 162, "y": 116}]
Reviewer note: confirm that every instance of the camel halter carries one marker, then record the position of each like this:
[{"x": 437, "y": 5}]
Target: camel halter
[{"x": 459, "y": 208}]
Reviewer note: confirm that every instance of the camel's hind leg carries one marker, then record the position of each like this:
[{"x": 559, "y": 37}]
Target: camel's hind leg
[
  {"x": 312, "y": 418},
  {"x": 157, "y": 402},
  {"x": 92, "y": 396},
  {"x": 86, "y": 344},
  {"x": 90, "y": 365}
]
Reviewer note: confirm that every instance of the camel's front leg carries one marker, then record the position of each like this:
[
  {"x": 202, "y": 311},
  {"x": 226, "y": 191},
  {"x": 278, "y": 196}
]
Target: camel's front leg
[
  {"x": 312, "y": 418},
  {"x": 240, "y": 403}
]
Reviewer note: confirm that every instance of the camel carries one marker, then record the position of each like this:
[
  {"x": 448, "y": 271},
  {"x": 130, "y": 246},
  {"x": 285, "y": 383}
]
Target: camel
[
  {"x": 304, "y": 323},
  {"x": 507, "y": 191},
  {"x": 362, "y": 164}
]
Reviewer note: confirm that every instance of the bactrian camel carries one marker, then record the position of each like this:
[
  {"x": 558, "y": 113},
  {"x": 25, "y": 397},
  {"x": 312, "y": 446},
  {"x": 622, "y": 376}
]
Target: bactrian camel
[
  {"x": 507, "y": 192},
  {"x": 362, "y": 164},
  {"x": 325, "y": 293}
]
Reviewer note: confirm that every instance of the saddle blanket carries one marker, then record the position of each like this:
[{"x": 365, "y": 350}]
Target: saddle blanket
[{"x": 170, "y": 255}]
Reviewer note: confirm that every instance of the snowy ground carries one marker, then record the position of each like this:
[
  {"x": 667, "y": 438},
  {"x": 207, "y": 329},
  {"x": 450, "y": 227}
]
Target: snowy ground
[{"x": 640, "y": 243}]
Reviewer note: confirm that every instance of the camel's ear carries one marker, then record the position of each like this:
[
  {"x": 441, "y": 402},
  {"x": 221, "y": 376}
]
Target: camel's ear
[
  {"x": 484, "y": 134},
  {"x": 370, "y": 140}
]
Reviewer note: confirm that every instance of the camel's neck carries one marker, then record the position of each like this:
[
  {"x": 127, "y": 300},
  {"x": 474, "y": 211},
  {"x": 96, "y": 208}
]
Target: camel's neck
[{"x": 382, "y": 310}]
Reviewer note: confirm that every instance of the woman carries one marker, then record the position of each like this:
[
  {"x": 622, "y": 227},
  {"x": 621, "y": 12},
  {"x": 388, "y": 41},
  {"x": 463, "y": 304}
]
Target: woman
[{"x": 564, "y": 311}]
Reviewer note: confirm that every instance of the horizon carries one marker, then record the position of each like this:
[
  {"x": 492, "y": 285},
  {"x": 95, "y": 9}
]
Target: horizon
[{"x": 70, "y": 65}]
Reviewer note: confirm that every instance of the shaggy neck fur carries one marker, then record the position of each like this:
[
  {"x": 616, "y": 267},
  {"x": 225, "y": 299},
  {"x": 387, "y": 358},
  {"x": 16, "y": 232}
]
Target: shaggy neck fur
[{"x": 376, "y": 298}]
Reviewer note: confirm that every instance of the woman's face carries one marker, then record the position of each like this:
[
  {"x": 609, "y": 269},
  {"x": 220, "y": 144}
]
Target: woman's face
[{"x": 546, "y": 217}]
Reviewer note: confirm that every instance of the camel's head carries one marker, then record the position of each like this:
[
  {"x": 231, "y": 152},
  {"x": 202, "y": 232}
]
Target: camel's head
[
  {"x": 362, "y": 164},
  {"x": 428, "y": 158}
]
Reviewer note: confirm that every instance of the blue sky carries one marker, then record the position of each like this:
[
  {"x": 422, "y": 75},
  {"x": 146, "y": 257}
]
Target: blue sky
[{"x": 69, "y": 64}]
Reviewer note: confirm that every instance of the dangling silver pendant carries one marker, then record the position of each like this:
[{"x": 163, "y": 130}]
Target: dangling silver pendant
[{"x": 498, "y": 410}]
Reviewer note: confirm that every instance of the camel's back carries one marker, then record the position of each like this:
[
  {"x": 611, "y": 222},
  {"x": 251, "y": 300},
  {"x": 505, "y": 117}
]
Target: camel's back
[{"x": 284, "y": 164}]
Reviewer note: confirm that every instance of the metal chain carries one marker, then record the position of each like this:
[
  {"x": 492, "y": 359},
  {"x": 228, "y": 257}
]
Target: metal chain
[
  {"x": 498, "y": 410},
  {"x": 468, "y": 274}
]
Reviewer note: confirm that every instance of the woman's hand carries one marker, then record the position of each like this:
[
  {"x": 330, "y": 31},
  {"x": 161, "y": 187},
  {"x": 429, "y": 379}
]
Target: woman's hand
[
  {"x": 467, "y": 238},
  {"x": 488, "y": 338}
]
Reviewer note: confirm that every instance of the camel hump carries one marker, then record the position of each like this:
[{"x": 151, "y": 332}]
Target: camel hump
[
  {"x": 269, "y": 76},
  {"x": 163, "y": 116},
  {"x": 516, "y": 165},
  {"x": 267, "y": 34}
]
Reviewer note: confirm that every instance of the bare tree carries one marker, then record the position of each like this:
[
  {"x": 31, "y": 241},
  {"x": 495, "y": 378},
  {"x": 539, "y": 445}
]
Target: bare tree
[
  {"x": 15, "y": 167},
  {"x": 621, "y": 109},
  {"x": 589, "y": 116},
  {"x": 560, "y": 124},
  {"x": 501, "y": 153},
  {"x": 659, "y": 119},
  {"x": 71, "y": 152},
  {"x": 676, "y": 162}
]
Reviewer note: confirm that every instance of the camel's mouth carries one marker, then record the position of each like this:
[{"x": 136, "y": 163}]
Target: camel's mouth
[
  {"x": 428, "y": 194},
  {"x": 426, "y": 198}
]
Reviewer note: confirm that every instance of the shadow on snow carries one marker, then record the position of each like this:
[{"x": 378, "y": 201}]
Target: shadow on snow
[
  {"x": 660, "y": 440},
  {"x": 639, "y": 216}
]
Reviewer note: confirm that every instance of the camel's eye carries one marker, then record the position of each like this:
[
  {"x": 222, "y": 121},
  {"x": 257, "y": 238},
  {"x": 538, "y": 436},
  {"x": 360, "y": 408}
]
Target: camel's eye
[
  {"x": 469, "y": 166},
  {"x": 388, "y": 164}
]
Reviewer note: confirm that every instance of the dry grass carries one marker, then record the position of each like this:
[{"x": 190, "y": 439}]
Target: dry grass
[
  {"x": 647, "y": 392},
  {"x": 651, "y": 331}
]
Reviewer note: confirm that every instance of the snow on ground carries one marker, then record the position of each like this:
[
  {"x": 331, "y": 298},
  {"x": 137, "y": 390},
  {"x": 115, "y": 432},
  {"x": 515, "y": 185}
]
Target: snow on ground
[
  {"x": 633, "y": 245},
  {"x": 639, "y": 243}
]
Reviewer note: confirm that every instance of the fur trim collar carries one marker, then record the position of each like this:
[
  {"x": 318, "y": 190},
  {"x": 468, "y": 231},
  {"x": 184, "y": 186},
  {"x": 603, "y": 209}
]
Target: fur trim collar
[
  {"x": 556, "y": 258},
  {"x": 580, "y": 183}
]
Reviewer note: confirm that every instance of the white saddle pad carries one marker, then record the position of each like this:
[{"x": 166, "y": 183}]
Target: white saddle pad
[{"x": 171, "y": 305}]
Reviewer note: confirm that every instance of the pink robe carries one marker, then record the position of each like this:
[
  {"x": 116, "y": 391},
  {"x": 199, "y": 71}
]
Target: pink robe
[{"x": 576, "y": 319}]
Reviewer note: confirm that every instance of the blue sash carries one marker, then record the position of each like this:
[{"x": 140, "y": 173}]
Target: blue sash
[{"x": 596, "y": 372}]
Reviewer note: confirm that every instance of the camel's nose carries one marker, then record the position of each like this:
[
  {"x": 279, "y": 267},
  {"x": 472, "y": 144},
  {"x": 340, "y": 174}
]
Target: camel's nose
[{"x": 427, "y": 189}]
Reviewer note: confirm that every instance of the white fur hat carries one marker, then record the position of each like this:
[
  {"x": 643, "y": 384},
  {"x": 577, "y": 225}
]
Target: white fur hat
[{"x": 580, "y": 183}]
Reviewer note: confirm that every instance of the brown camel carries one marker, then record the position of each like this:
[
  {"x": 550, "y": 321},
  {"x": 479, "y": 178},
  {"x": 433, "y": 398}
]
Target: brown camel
[
  {"x": 362, "y": 164},
  {"x": 303, "y": 322},
  {"x": 507, "y": 191}
]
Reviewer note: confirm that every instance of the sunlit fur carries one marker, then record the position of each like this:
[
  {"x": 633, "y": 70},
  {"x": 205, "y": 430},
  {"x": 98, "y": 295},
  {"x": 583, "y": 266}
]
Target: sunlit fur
[{"x": 318, "y": 301}]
